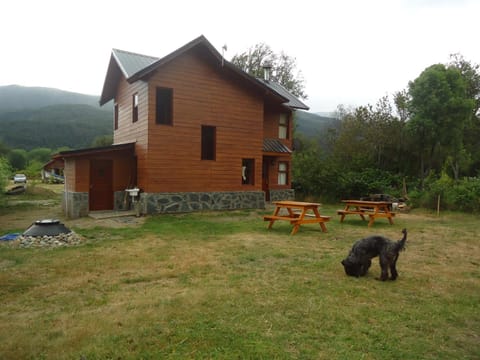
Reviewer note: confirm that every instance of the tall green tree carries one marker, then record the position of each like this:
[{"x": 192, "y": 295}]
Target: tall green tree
[
  {"x": 5, "y": 172},
  {"x": 283, "y": 67},
  {"x": 18, "y": 159},
  {"x": 440, "y": 110},
  {"x": 471, "y": 75}
]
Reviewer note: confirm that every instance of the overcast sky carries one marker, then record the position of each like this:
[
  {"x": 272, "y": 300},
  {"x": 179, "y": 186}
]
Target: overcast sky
[{"x": 350, "y": 52}]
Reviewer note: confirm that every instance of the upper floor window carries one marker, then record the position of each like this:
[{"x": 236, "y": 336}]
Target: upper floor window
[
  {"x": 115, "y": 116},
  {"x": 283, "y": 126},
  {"x": 164, "y": 106},
  {"x": 209, "y": 142},
  {"x": 135, "y": 108},
  {"x": 282, "y": 173}
]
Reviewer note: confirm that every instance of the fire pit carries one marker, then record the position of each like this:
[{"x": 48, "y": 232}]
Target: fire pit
[
  {"x": 48, "y": 233},
  {"x": 48, "y": 227}
]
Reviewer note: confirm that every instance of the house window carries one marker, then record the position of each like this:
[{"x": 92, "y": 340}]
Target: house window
[
  {"x": 283, "y": 126},
  {"x": 282, "y": 173},
  {"x": 208, "y": 142},
  {"x": 115, "y": 116},
  {"x": 164, "y": 106},
  {"x": 248, "y": 171},
  {"x": 135, "y": 108}
]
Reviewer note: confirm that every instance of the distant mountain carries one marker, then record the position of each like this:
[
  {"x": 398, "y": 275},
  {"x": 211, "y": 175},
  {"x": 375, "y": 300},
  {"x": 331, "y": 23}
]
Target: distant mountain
[
  {"x": 15, "y": 97},
  {"x": 32, "y": 117},
  {"x": 312, "y": 125}
]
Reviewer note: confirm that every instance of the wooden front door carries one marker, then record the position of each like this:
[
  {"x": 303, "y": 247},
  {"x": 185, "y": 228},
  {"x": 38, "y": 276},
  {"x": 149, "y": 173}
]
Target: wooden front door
[{"x": 101, "y": 185}]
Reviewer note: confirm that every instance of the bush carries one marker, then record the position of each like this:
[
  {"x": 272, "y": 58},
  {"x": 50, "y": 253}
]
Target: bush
[
  {"x": 461, "y": 195},
  {"x": 355, "y": 184}
]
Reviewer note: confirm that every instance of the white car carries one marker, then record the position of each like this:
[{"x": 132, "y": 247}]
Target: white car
[{"x": 19, "y": 178}]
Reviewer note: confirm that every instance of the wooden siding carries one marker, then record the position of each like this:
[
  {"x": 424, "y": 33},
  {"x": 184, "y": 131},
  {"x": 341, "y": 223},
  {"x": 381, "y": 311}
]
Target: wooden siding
[
  {"x": 272, "y": 123},
  {"x": 273, "y": 173},
  {"x": 82, "y": 178},
  {"x": 270, "y": 129},
  {"x": 202, "y": 95},
  {"x": 129, "y": 131},
  {"x": 69, "y": 174}
]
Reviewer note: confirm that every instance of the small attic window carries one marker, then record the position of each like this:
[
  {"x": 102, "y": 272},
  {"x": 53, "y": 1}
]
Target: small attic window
[{"x": 135, "y": 108}]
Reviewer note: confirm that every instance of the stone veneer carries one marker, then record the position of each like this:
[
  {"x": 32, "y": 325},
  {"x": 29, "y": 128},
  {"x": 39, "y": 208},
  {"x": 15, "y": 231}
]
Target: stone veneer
[
  {"x": 152, "y": 203},
  {"x": 285, "y": 194},
  {"x": 75, "y": 204}
]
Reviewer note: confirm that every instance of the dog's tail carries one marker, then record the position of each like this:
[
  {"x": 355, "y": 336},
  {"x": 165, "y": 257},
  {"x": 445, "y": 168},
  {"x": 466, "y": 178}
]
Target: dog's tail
[{"x": 400, "y": 245}]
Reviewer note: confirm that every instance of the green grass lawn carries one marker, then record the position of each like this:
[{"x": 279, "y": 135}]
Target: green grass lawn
[{"x": 220, "y": 285}]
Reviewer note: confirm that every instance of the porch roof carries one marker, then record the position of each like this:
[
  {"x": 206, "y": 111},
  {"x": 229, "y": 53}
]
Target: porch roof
[
  {"x": 275, "y": 146},
  {"x": 128, "y": 147}
]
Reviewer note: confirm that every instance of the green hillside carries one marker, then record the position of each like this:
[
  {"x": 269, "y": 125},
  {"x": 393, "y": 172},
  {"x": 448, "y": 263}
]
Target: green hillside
[
  {"x": 15, "y": 97},
  {"x": 314, "y": 126},
  {"x": 75, "y": 126},
  {"x": 32, "y": 117}
]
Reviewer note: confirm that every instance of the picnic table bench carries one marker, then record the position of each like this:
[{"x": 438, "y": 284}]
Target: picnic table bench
[{"x": 297, "y": 213}]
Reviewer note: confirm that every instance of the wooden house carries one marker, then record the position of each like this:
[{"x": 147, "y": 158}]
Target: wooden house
[{"x": 191, "y": 131}]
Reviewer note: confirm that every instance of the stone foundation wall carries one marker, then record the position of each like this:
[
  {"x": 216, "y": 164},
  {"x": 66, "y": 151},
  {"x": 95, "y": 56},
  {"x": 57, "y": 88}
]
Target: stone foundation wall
[
  {"x": 153, "y": 203},
  {"x": 75, "y": 204},
  {"x": 278, "y": 195},
  {"x": 121, "y": 200}
]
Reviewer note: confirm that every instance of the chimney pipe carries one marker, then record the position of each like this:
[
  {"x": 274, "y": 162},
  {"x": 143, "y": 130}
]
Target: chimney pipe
[{"x": 267, "y": 68}]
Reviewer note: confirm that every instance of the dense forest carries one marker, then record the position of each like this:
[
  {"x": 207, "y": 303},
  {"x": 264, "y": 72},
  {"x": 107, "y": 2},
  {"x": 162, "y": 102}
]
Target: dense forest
[{"x": 422, "y": 143}]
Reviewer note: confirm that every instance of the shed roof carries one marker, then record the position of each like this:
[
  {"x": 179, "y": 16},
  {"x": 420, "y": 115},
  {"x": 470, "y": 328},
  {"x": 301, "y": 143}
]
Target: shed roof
[
  {"x": 136, "y": 66},
  {"x": 130, "y": 147}
]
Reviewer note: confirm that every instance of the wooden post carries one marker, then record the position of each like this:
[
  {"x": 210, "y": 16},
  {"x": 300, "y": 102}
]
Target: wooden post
[{"x": 438, "y": 205}]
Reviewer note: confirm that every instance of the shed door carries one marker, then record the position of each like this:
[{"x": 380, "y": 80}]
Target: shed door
[{"x": 101, "y": 185}]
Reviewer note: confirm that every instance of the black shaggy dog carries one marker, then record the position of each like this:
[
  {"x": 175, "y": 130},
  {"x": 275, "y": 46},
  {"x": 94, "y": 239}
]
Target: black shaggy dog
[{"x": 358, "y": 260}]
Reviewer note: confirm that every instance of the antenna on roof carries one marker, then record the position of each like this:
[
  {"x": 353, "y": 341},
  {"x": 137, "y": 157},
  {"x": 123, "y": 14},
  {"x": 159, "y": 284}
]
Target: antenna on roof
[{"x": 224, "y": 49}]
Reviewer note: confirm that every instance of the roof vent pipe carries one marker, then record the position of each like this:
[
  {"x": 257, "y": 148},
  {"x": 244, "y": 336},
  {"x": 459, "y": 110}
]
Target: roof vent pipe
[{"x": 267, "y": 68}]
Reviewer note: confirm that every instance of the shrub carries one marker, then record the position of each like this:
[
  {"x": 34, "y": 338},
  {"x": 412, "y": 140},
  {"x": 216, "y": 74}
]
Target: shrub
[{"x": 462, "y": 195}]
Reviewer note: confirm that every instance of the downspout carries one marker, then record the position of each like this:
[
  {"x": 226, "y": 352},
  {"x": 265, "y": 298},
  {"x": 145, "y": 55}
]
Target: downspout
[{"x": 65, "y": 189}]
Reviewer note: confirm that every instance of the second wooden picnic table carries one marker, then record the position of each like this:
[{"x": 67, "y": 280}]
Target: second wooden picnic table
[
  {"x": 373, "y": 209},
  {"x": 298, "y": 213}
]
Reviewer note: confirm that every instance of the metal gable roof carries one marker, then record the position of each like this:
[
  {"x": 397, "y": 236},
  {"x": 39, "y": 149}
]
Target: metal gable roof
[
  {"x": 293, "y": 101},
  {"x": 136, "y": 66},
  {"x": 131, "y": 63}
]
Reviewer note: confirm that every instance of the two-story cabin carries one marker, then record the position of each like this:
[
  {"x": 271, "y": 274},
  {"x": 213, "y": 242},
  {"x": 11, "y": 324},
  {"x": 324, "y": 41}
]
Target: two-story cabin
[{"x": 191, "y": 131}]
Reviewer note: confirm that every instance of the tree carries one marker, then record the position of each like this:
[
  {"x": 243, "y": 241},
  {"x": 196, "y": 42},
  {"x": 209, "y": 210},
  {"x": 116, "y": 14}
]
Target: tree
[
  {"x": 41, "y": 155},
  {"x": 18, "y": 159},
  {"x": 471, "y": 75},
  {"x": 283, "y": 67},
  {"x": 5, "y": 172},
  {"x": 104, "y": 140},
  {"x": 440, "y": 108}
]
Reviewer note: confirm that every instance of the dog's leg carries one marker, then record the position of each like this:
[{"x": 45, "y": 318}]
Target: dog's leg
[
  {"x": 393, "y": 269},
  {"x": 384, "y": 266}
]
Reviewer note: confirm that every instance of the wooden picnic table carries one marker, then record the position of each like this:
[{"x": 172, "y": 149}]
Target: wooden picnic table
[
  {"x": 374, "y": 209},
  {"x": 298, "y": 213}
]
